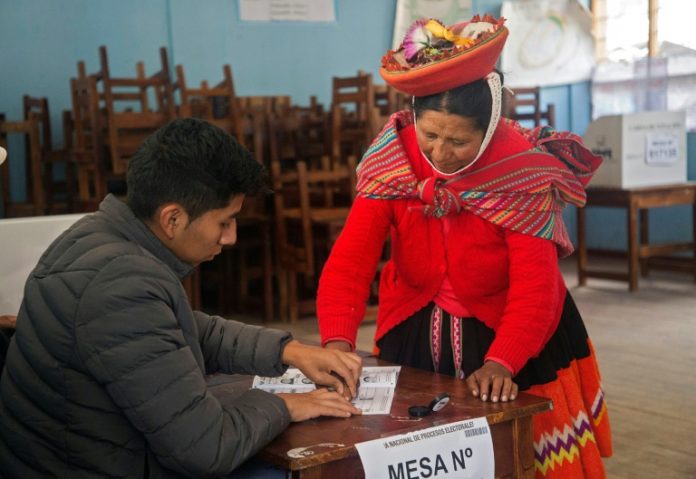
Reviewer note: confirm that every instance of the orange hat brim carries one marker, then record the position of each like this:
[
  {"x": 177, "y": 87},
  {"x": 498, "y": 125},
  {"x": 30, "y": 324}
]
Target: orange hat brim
[{"x": 465, "y": 67}]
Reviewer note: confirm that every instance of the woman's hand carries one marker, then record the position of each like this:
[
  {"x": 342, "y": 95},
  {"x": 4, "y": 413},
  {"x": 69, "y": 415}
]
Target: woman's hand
[
  {"x": 329, "y": 367},
  {"x": 494, "y": 381},
  {"x": 321, "y": 402}
]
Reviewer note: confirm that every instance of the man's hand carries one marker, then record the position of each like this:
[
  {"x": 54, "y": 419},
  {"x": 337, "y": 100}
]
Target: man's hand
[
  {"x": 8, "y": 321},
  {"x": 494, "y": 381},
  {"x": 328, "y": 367},
  {"x": 321, "y": 402}
]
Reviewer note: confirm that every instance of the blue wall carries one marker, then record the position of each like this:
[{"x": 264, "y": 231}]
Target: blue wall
[{"x": 42, "y": 40}]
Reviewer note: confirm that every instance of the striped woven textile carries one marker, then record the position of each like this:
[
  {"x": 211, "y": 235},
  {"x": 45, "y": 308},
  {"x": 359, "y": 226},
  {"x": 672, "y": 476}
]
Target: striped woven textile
[{"x": 525, "y": 192}]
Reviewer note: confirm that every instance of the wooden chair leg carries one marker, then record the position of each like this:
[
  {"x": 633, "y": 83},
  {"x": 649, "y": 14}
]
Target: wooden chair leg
[
  {"x": 267, "y": 276},
  {"x": 70, "y": 186},
  {"x": 283, "y": 303},
  {"x": 292, "y": 297},
  {"x": 225, "y": 298}
]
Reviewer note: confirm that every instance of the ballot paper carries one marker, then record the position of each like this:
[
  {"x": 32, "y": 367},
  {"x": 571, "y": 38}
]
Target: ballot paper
[{"x": 375, "y": 393}]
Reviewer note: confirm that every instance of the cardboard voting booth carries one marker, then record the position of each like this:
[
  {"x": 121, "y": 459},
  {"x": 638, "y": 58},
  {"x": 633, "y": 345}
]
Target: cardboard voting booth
[{"x": 639, "y": 149}]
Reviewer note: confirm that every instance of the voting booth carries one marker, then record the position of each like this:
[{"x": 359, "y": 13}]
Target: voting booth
[{"x": 639, "y": 149}]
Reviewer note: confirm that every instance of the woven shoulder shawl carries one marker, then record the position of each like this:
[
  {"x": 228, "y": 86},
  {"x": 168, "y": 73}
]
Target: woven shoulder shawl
[{"x": 525, "y": 192}]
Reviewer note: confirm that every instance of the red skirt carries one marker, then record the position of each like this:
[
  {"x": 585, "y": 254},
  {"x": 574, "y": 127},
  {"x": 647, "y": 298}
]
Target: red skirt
[{"x": 571, "y": 439}]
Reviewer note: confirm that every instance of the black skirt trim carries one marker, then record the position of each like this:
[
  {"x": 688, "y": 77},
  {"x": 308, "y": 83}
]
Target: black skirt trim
[{"x": 409, "y": 344}]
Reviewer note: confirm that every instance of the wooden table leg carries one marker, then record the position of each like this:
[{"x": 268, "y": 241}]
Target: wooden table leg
[
  {"x": 644, "y": 241},
  {"x": 582, "y": 246},
  {"x": 632, "y": 245},
  {"x": 523, "y": 448},
  {"x": 693, "y": 237},
  {"x": 267, "y": 274}
]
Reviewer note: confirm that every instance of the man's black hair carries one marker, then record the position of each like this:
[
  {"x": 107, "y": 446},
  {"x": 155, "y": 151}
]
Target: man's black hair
[
  {"x": 472, "y": 100},
  {"x": 193, "y": 163}
]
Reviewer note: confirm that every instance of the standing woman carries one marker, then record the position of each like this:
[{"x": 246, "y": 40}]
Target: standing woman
[{"x": 473, "y": 204}]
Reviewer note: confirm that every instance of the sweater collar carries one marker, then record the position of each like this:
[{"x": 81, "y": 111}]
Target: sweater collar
[{"x": 122, "y": 218}]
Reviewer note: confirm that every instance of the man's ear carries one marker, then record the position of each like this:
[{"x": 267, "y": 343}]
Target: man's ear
[{"x": 171, "y": 218}]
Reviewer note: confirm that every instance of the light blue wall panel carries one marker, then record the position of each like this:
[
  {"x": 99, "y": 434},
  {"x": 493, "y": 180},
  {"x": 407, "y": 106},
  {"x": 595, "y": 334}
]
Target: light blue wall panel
[{"x": 281, "y": 58}]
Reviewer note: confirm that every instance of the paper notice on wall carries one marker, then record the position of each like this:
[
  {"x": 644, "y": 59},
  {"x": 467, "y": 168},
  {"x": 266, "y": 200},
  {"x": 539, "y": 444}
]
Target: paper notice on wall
[
  {"x": 550, "y": 43},
  {"x": 287, "y": 10}
]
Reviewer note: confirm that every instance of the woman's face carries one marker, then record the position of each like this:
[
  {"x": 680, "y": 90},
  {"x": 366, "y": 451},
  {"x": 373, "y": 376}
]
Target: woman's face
[{"x": 449, "y": 141}]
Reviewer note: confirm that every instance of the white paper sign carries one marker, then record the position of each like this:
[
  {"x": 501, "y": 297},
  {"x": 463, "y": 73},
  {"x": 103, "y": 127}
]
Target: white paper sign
[
  {"x": 462, "y": 449},
  {"x": 550, "y": 43},
  {"x": 661, "y": 149},
  {"x": 287, "y": 10}
]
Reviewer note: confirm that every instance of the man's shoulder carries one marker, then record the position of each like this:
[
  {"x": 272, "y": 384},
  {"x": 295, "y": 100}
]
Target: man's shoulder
[{"x": 82, "y": 252}]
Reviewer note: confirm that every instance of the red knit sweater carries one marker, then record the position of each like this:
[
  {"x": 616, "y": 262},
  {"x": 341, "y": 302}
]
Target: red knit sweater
[{"x": 508, "y": 280}]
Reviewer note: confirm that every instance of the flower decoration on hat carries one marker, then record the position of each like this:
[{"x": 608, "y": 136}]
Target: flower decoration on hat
[
  {"x": 463, "y": 52},
  {"x": 430, "y": 37}
]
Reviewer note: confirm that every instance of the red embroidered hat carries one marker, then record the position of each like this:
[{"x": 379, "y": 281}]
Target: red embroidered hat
[{"x": 433, "y": 58}]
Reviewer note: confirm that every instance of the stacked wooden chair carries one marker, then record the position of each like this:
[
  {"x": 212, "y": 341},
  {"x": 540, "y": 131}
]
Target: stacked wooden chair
[
  {"x": 87, "y": 143},
  {"x": 354, "y": 116},
  {"x": 130, "y": 118},
  {"x": 35, "y": 202},
  {"x": 59, "y": 194},
  {"x": 524, "y": 105},
  {"x": 218, "y": 104},
  {"x": 311, "y": 204}
]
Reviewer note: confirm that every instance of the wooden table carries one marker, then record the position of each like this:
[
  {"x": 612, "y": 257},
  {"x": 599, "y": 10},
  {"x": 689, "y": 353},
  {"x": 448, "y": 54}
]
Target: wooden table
[
  {"x": 641, "y": 255},
  {"x": 327, "y": 444}
]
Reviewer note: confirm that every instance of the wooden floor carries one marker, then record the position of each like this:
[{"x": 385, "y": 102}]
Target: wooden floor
[{"x": 646, "y": 345}]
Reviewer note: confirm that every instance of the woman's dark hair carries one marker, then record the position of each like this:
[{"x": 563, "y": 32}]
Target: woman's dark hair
[
  {"x": 472, "y": 100},
  {"x": 193, "y": 163}
]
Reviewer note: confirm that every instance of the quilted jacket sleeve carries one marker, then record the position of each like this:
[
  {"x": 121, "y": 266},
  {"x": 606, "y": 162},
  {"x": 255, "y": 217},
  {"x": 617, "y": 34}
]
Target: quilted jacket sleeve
[
  {"x": 234, "y": 347},
  {"x": 532, "y": 309},
  {"x": 130, "y": 341}
]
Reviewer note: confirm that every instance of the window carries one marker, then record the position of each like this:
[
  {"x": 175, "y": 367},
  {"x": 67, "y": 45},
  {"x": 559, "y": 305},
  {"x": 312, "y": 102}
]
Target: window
[
  {"x": 622, "y": 28},
  {"x": 644, "y": 65}
]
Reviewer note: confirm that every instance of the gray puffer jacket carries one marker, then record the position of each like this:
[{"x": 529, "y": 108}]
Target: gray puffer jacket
[{"x": 105, "y": 374}]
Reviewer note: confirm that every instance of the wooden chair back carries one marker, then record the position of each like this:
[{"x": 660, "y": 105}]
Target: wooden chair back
[
  {"x": 87, "y": 143},
  {"x": 128, "y": 128},
  {"x": 524, "y": 105},
  {"x": 354, "y": 117},
  {"x": 310, "y": 209},
  {"x": 268, "y": 104},
  {"x": 298, "y": 135},
  {"x": 51, "y": 156},
  {"x": 35, "y": 203},
  {"x": 218, "y": 104}
]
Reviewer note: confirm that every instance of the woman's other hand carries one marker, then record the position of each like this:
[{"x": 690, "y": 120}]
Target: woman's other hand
[
  {"x": 494, "y": 381},
  {"x": 321, "y": 402},
  {"x": 330, "y": 367}
]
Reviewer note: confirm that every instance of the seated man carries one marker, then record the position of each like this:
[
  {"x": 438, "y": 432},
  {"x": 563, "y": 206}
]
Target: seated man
[{"x": 105, "y": 374}]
